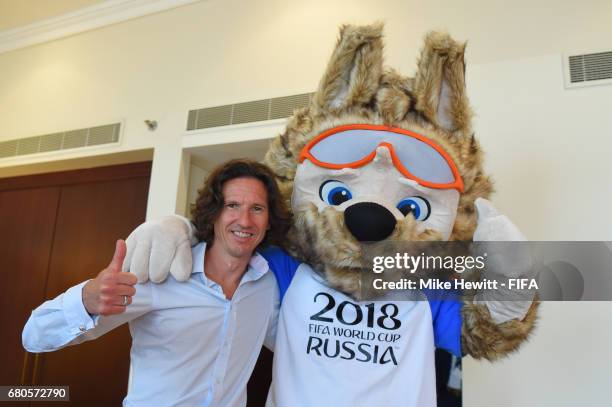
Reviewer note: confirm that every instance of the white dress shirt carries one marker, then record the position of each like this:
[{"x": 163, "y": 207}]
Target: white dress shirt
[{"x": 191, "y": 346}]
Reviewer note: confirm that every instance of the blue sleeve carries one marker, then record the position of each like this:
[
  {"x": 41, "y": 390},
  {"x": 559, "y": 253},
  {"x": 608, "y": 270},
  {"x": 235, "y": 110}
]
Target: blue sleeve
[
  {"x": 282, "y": 265},
  {"x": 446, "y": 316}
]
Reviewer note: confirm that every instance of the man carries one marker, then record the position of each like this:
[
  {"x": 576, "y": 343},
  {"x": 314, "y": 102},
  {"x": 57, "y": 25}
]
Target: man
[{"x": 193, "y": 343}]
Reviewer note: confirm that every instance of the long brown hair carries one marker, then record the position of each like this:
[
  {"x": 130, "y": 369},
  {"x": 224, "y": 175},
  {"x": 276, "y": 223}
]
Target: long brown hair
[{"x": 210, "y": 200}]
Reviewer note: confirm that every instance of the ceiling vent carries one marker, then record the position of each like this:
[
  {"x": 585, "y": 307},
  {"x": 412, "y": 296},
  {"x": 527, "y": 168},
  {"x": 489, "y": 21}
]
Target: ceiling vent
[
  {"x": 248, "y": 112},
  {"x": 588, "y": 69},
  {"x": 68, "y": 140}
]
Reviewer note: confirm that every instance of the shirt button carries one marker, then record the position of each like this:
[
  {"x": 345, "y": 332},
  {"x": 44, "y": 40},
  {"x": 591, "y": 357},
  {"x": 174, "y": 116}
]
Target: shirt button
[{"x": 82, "y": 328}]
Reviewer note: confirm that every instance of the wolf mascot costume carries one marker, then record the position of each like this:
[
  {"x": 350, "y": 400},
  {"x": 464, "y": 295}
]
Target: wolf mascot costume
[{"x": 375, "y": 156}]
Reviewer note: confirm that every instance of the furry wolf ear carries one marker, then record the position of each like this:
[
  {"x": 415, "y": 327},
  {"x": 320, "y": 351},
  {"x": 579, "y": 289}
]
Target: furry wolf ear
[
  {"x": 440, "y": 83},
  {"x": 354, "y": 70}
]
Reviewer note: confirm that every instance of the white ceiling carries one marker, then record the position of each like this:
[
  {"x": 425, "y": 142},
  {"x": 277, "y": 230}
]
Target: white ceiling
[{"x": 17, "y": 13}]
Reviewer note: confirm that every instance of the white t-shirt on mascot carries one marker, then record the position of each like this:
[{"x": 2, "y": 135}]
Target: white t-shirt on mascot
[{"x": 333, "y": 351}]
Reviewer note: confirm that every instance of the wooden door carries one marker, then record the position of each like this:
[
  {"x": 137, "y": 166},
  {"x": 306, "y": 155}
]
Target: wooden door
[
  {"x": 68, "y": 237},
  {"x": 26, "y": 237}
]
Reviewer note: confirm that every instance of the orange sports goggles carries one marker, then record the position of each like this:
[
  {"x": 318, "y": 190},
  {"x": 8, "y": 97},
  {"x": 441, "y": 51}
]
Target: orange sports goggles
[{"x": 415, "y": 156}]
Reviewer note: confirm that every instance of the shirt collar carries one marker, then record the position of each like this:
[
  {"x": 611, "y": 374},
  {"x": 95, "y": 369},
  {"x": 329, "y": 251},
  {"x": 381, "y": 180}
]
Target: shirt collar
[{"x": 258, "y": 266}]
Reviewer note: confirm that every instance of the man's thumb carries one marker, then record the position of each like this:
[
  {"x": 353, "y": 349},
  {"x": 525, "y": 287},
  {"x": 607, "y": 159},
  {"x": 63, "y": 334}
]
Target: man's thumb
[{"x": 117, "y": 261}]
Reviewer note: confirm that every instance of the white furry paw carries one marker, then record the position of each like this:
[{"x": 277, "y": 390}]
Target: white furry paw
[
  {"x": 160, "y": 247},
  {"x": 493, "y": 226},
  {"x": 507, "y": 257}
]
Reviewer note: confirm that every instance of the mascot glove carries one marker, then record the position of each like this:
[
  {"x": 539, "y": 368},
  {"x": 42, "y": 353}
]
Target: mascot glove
[
  {"x": 512, "y": 260},
  {"x": 161, "y": 246}
]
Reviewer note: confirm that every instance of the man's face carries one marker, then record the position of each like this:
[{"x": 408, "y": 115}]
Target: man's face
[{"x": 243, "y": 221}]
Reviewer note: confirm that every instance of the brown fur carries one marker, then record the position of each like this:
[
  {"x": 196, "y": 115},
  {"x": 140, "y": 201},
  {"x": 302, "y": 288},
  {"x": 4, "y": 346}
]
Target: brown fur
[
  {"x": 356, "y": 89},
  {"x": 482, "y": 338}
]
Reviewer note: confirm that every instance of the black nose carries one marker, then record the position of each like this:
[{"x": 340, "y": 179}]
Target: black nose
[{"x": 369, "y": 222}]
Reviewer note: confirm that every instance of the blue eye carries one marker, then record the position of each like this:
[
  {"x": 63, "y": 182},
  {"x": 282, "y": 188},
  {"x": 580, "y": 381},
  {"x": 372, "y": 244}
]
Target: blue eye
[
  {"x": 334, "y": 192},
  {"x": 415, "y": 206}
]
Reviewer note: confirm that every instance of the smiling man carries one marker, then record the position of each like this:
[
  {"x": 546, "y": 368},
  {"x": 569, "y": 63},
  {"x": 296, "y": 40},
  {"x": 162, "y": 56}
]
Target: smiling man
[
  {"x": 232, "y": 218},
  {"x": 193, "y": 343}
]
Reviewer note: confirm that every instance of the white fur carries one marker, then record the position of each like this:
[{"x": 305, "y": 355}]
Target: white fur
[{"x": 379, "y": 182}]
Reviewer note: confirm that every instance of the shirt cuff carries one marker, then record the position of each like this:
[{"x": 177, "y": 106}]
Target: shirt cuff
[{"x": 76, "y": 315}]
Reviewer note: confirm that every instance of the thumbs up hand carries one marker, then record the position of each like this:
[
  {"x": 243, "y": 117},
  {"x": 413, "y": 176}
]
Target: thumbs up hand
[
  {"x": 493, "y": 226},
  {"x": 509, "y": 257},
  {"x": 112, "y": 290}
]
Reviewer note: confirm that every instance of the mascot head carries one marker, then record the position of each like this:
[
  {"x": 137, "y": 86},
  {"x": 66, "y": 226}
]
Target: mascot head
[{"x": 378, "y": 156}]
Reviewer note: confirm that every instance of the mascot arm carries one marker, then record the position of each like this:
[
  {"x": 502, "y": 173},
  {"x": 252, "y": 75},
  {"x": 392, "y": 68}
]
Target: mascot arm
[
  {"x": 482, "y": 337},
  {"x": 160, "y": 247},
  {"x": 493, "y": 328},
  {"x": 282, "y": 265}
]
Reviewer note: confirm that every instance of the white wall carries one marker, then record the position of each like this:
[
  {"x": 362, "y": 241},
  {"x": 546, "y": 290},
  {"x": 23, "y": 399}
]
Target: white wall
[
  {"x": 197, "y": 175},
  {"x": 217, "y": 52},
  {"x": 566, "y": 363},
  {"x": 548, "y": 148}
]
